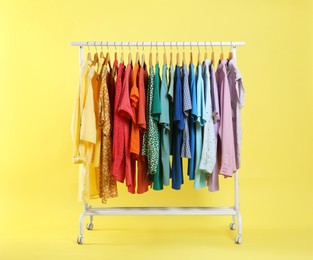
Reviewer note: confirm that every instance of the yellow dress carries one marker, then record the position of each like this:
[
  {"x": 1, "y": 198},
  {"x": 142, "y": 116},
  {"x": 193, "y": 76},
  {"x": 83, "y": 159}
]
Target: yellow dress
[{"x": 84, "y": 130}]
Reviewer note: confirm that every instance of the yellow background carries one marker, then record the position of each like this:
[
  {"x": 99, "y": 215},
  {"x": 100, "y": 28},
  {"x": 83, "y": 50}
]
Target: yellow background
[{"x": 38, "y": 182}]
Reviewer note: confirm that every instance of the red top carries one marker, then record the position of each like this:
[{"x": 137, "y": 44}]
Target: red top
[
  {"x": 118, "y": 151},
  {"x": 125, "y": 111}
]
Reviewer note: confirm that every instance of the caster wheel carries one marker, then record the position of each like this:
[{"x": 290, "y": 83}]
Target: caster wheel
[
  {"x": 89, "y": 226},
  {"x": 238, "y": 239},
  {"x": 80, "y": 240},
  {"x": 232, "y": 226}
]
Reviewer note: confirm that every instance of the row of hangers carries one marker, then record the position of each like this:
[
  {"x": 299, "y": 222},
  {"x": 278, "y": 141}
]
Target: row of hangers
[{"x": 107, "y": 57}]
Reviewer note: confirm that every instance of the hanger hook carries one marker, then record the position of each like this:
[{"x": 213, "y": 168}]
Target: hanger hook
[
  {"x": 183, "y": 46},
  {"x": 156, "y": 45},
  {"x": 143, "y": 47},
  {"x": 176, "y": 46},
  {"x": 221, "y": 47},
  {"x": 231, "y": 46},
  {"x": 137, "y": 45},
  {"x": 101, "y": 46},
  {"x": 164, "y": 47},
  {"x": 88, "y": 46},
  {"x": 190, "y": 47},
  {"x": 122, "y": 46},
  {"x": 94, "y": 44},
  {"x": 211, "y": 46},
  {"x": 115, "y": 45},
  {"x": 198, "y": 47},
  {"x": 129, "y": 46},
  {"x": 206, "y": 49},
  {"x": 108, "y": 46}
]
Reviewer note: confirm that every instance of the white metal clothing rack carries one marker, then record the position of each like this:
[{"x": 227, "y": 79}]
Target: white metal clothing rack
[{"x": 104, "y": 211}]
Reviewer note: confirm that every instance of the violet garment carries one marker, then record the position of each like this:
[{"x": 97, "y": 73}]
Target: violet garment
[
  {"x": 226, "y": 149},
  {"x": 213, "y": 181},
  {"x": 237, "y": 94}
]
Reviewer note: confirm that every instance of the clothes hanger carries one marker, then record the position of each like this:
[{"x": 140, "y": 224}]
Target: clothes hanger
[
  {"x": 190, "y": 54},
  {"x": 122, "y": 54},
  {"x": 101, "y": 54},
  {"x": 184, "y": 57},
  {"x": 157, "y": 54},
  {"x": 164, "y": 55},
  {"x": 171, "y": 56},
  {"x": 129, "y": 55},
  {"x": 137, "y": 55},
  {"x": 95, "y": 57},
  {"x": 206, "y": 52},
  {"x": 143, "y": 55},
  {"x": 115, "y": 54},
  {"x": 150, "y": 56},
  {"x": 230, "y": 54},
  {"x": 199, "y": 55},
  {"x": 107, "y": 57},
  {"x": 212, "y": 55},
  {"x": 222, "y": 53},
  {"x": 177, "y": 56},
  {"x": 89, "y": 54}
]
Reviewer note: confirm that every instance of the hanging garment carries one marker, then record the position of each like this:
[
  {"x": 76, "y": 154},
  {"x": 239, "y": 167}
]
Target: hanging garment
[
  {"x": 171, "y": 102},
  {"x": 134, "y": 100},
  {"x": 111, "y": 82},
  {"x": 200, "y": 177},
  {"x": 237, "y": 94},
  {"x": 150, "y": 146},
  {"x": 165, "y": 128},
  {"x": 119, "y": 122},
  {"x": 94, "y": 175},
  {"x": 96, "y": 84},
  {"x": 107, "y": 186},
  {"x": 178, "y": 127},
  {"x": 135, "y": 135},
  {"x": 192, "y": 122},
  {"x": 208, "y": 157},
  {"x": 185, "y": 150},
  {"x": 84, "y": 130},
  {"x": 156, "y": 112},
  {"x": 143, "y": 177},
  {"x": 125, "y": 110},
  {"x": 213, "y": 181},
  {"x": 226, "y": 149}
]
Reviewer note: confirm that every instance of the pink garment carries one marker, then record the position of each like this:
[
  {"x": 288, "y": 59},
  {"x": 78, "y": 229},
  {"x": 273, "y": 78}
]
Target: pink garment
[
  {"x": 119, "y": 122},
  {"x": 226, "y": 149},
  {"x": 213, "y": 181}
]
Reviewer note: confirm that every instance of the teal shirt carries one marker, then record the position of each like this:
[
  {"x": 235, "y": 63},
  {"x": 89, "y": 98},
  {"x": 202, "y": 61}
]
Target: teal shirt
[
  {"x": 156, "y": 112},
  {"x": 200, "y": 177},
  {"x": 164, "y": 122}
]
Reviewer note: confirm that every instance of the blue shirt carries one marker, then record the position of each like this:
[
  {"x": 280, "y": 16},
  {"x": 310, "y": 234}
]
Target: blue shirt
[
  {"x": 192, "y": 122},
  {"x": 164, "y": 122},
  {"x": 178, "y": 125}
]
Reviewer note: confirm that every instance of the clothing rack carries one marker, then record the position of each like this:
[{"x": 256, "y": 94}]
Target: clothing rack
[{"x": 161, "y": 211}]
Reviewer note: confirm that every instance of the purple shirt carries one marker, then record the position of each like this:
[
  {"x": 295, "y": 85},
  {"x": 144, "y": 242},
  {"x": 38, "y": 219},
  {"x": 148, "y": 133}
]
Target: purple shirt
[
  {"x": 237, "y": 94},
  {"x": 213, "y": 181},
  {"x": 226, "y": 153}
]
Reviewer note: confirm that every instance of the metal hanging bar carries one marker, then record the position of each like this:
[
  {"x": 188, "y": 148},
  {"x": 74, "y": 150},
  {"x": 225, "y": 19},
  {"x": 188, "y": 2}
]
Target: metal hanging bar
[{"x": 108, "y": 43}]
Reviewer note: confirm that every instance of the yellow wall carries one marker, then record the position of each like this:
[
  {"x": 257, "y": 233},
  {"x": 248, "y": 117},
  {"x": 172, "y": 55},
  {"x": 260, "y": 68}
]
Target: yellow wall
[{"x": 39, "y": 73}]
